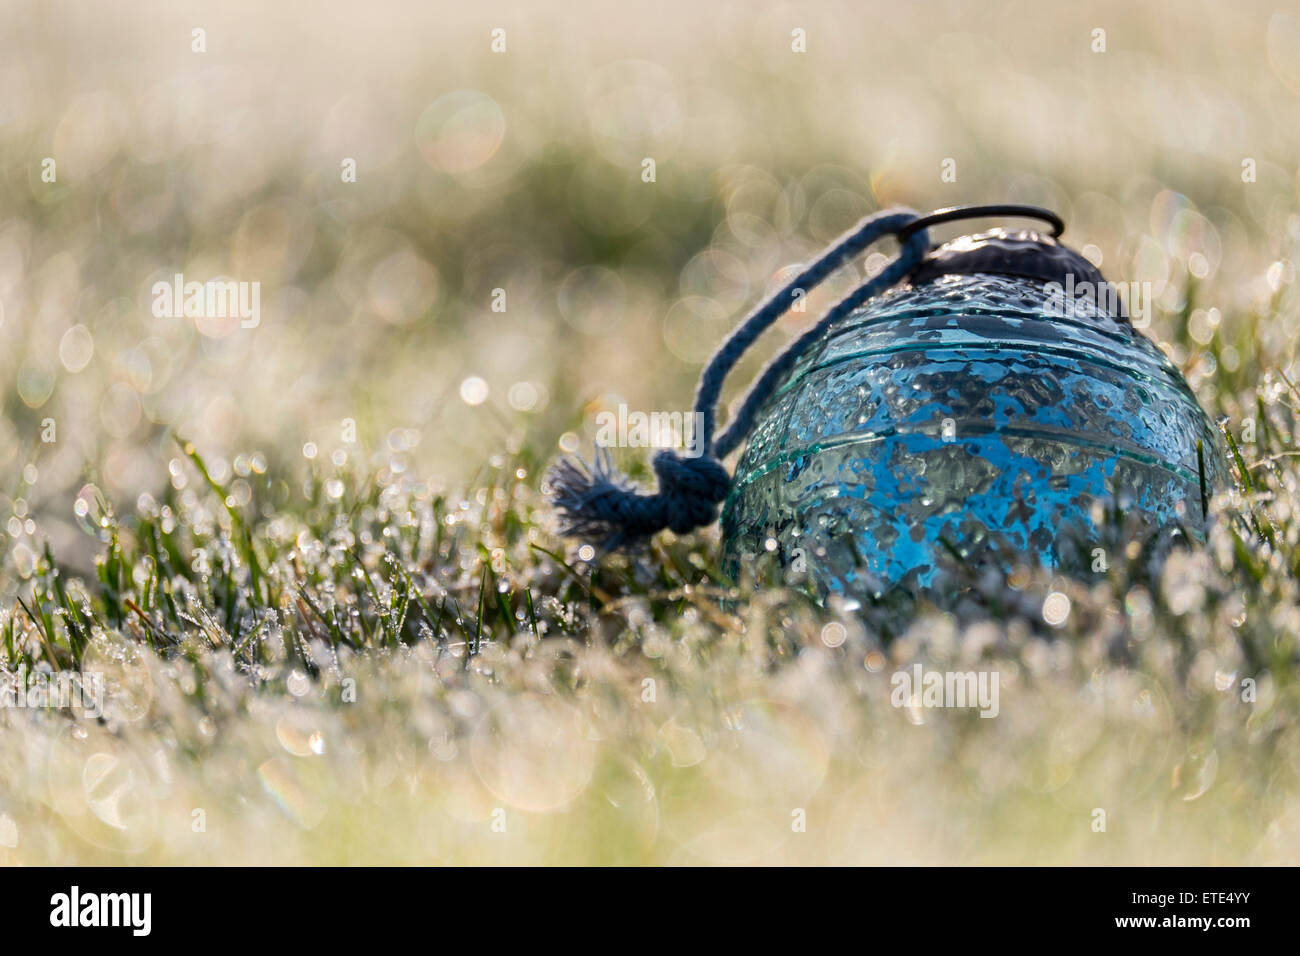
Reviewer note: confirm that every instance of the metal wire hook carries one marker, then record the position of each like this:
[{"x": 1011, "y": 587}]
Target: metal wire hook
[{"x": 955, "y": 213}]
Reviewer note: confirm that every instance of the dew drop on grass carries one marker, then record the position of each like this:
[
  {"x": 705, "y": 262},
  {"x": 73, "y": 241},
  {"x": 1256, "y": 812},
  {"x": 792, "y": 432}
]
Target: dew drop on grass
[
  {"x": 1056, "y": 609},
  {"x": 834, "y": 634}
]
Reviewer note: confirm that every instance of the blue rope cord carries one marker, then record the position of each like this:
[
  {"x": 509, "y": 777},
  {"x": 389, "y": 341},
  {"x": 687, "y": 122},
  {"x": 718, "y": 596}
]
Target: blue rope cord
[{"x": 597, "y": 503}]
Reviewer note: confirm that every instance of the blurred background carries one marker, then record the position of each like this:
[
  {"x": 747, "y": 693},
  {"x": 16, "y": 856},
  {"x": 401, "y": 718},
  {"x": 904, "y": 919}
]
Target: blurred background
[{"x": 1167, "y": 137}]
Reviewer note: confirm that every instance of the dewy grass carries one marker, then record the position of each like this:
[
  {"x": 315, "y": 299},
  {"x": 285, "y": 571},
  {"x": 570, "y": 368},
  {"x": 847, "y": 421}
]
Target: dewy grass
[
  {"x": 351, "y": 664},
  {"x": 372, "y": 671}
]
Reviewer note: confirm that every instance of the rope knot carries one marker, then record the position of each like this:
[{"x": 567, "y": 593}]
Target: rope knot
[
  {"x": 598, "y": 503},
  {"x": 692, "y": 489}
]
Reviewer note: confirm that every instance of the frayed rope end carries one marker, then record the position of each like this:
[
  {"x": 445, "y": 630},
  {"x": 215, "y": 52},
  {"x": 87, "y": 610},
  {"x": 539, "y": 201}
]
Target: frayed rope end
[{"x": 599, "y": 504}]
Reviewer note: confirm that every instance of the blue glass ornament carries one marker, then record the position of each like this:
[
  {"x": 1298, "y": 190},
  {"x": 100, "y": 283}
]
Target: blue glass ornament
[{"x": 988, "y": 411}]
